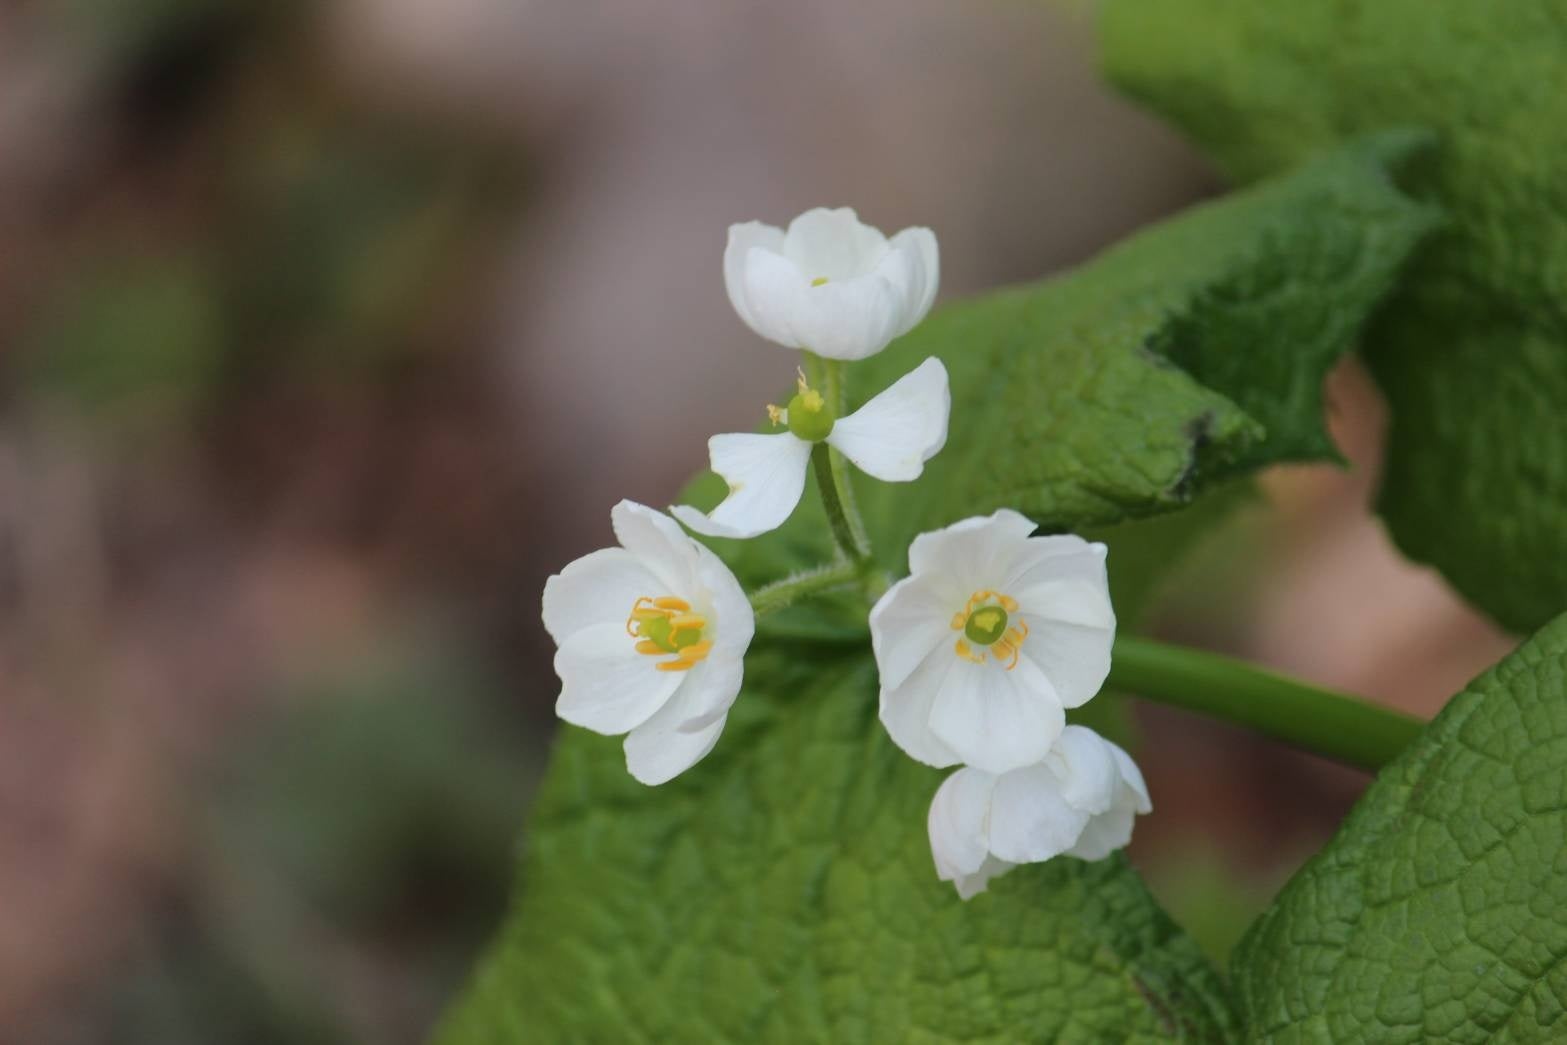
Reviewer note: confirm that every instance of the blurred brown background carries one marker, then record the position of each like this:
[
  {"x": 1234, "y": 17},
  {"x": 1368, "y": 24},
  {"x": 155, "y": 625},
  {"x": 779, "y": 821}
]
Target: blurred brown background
[{"x": 328, "y": 330}]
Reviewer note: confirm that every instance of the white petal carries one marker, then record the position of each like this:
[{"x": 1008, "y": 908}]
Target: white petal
[
  {"x": 924, "y": 268},
  {"x": 971, "y": 554},
  {"x": 766, "y": 476},
  {"x": 659, "y": 749},
  {"x": 958, "y": 821},
  {"x": 732, "y": 623},
  {"x": 907, "y": 623},
  {"x": 1061, "y": 585},
  {"x": 742, "y": 238},
  {"x": 833, "y": 244},
  {"x": 1076, "y": 660},
  {"x": 1084, "y": 763},
  {"x": 1063, "y": 577},
  {"x": 905, "y": 709},
  {"x": 849, "y": 320},
  {"x": 896, "y": 432},
  {"x": 659, "y": 545},
  {"x": 607, "y": 686},
  {"x": 1135, "y": 791},
  {"x": 708, "y": 692},
  {"x": 971, "y": 885},
  {"x": 1104, "y": 834},
  {"x": 994, "y": 719},
  {"x": 598, "y": 588},
  {"x": 1030, "y": 820}
]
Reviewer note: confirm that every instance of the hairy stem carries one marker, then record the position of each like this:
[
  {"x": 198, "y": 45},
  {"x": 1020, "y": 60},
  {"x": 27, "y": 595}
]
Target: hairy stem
[
  {"x": 1336, "y": 725},
  {"x": 773, "y": 597},
  {"x": 832, "y": 471}
]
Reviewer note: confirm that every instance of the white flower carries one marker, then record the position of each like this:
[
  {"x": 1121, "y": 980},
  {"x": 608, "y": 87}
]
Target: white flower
[
  {"x": 830, "y": 284},
  {"x": 651, "y": 637},
  {"x": 890, "y": 437},
  {"x": 1079, "y": 801},
  {"x": 989, "y": 639}
]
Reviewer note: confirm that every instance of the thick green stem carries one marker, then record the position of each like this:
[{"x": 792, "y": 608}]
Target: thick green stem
[
  {"x": 775, "y": 596},
  {"x": 1335, "y": 725}
]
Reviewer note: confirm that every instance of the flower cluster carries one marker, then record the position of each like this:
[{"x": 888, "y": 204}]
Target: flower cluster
[{"x": 981, "y": 649}]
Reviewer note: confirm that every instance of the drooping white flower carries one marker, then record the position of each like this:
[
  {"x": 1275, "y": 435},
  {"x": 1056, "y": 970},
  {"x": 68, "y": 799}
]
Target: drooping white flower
[
  {"x": 988, "y": 641},
  {"x": 651, "y": 639},
  {"x": 890, "y": 437},
  {"x": 831, "y": 284},
  {"x": 1079, "y": 801}
]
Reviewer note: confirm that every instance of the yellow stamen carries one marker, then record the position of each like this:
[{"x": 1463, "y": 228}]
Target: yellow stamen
[
  {"x": 819, "y": 281},
  {"x": 985, "y": 622},
  {"x": 777, "y": 415},
  {"x": 666, "y": 625}
]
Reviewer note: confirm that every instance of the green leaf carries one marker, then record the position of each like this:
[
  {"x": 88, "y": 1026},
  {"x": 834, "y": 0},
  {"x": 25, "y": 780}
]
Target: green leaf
[
  {"x": 783, "y": 890},
  {"x": 1191, "y": 353},
  {"x": 1472, "y": 352},
  {"x": 1439, "y": 912}
]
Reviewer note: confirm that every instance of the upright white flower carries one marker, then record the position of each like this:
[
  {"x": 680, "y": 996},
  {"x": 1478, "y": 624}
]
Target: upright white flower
[
  {"x": 1079, "y": 801},
  {"x": 651, "y": 639},
  {"x": 831, "y": 284},
  {"x": 988, "y": 641},
  {"x": 890, "y": 437}
]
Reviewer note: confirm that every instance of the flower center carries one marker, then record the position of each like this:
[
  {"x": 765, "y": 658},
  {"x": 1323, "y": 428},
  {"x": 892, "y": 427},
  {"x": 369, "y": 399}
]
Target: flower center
[
  {"x": 666, "y": 625},
  {"x": 807, "y": 414},
  {"x": 984, "y": 623}
]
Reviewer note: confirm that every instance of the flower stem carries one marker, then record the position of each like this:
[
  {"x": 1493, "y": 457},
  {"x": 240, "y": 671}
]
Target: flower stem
[
  {"x": 1336, "y": 725},
  {"x": 779, "y": 594},
  {"x": 832, "y": 472},
  {"x": 828, "y": 481}
]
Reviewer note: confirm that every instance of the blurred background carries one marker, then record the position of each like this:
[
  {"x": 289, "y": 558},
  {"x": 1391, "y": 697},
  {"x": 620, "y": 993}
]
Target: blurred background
[{"x": 328, "y": 330}]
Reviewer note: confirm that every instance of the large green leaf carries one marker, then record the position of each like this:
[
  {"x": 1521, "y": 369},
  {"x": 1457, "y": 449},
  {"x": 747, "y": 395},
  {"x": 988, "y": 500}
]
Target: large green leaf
[
  {"x": 1439, "y": 912},
  {"x": 1472, "y": 353},
  {"x": 783, "y": 890}
]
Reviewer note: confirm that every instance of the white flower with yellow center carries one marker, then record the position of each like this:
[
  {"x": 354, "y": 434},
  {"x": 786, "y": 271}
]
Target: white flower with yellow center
[
  {"x": 1079, "y": 801},
  {"x": 651, "y": 638},
  {"x": 831, "y": 284},
  {"x": 988, "y": 641},
  {"x": 890, "y": 437}
]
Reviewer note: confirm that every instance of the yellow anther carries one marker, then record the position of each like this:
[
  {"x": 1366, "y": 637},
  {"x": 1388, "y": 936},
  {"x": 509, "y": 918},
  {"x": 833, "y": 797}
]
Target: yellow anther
[
  {"x": 963, "y": 650},
  {"x": 958, "y": 620},
  {"x": 686, "y": 620},
  {"x": 777, "y": 415},
  {"x": 669, "y": 602},
  {"x": 650, "y": 647},
  {"x": 819, "y": 281},
  {"x": 1008, "y": 603}
]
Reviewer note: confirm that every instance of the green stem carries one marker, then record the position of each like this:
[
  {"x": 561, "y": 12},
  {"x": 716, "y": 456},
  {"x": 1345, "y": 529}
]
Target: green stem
[
  {"x": 773, "y": 597},
  {"x": 832, "y": 472},
  {"x": 837, "y": 512},
  {"x": 1336, "y": 725}
]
